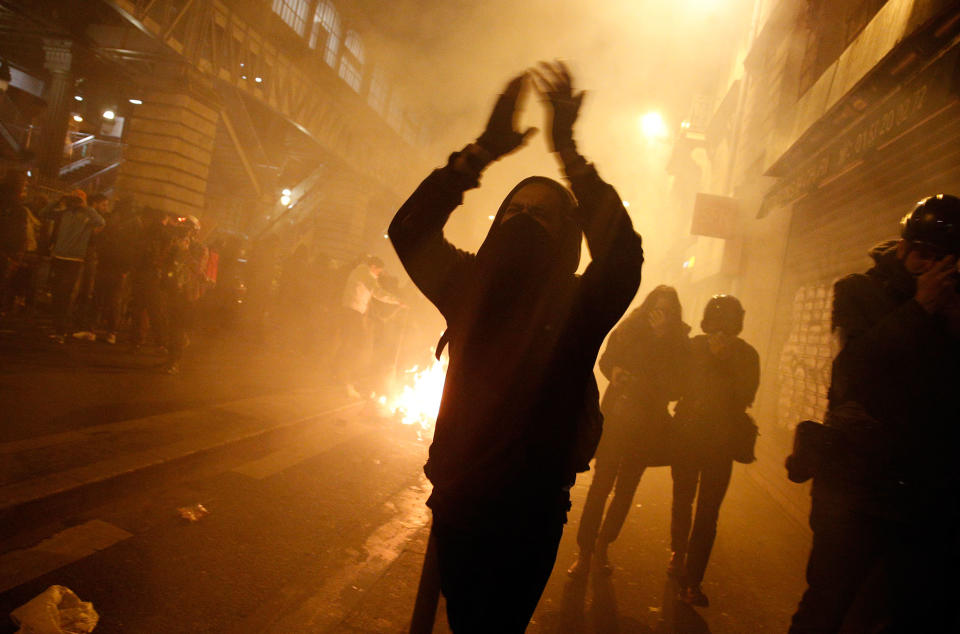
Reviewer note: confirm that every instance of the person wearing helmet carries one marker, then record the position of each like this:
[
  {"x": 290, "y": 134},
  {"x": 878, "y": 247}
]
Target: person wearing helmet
[
  {"x": 722, "y": 377},
  {"x": 885, "y": 493},
  {"x": 519, "y": 415}
]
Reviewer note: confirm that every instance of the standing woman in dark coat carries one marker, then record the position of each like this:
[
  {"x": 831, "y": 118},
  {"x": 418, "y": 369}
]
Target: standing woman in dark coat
[
  {"x": 721, "y": 381},
  {"x": 644, "y": 362}
]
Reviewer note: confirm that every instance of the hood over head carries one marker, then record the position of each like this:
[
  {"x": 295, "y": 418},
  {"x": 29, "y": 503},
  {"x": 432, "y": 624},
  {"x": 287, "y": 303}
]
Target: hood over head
[
  {"x": 890, "y": 270},
  {"x": 565, "y": 247}
]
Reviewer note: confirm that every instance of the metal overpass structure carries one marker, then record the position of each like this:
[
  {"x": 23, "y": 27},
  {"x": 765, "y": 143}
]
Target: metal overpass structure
[{"x": 224, "y": 105}]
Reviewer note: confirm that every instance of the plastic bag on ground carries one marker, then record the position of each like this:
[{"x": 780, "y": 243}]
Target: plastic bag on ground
[
  {"x": 56, "y": 610},
  {"x": 193, "y": 513}
]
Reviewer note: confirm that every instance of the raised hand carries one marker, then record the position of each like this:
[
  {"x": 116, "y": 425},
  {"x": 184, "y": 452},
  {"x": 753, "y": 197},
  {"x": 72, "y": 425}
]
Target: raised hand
[
  {"x": 554, "y": 83},
  {"x": 937, "y": 284},
  {"x": 501, "y": 136}
]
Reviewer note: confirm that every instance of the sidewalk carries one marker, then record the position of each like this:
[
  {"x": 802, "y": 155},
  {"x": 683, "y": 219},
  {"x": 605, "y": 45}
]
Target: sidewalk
[{"x": 73, "y": 466}]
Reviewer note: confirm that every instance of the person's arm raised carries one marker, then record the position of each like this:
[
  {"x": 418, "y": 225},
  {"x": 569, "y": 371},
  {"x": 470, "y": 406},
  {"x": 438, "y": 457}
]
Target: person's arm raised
[
  {"x": 613, "y": 276},
  {"x": 416, "y": 231}
]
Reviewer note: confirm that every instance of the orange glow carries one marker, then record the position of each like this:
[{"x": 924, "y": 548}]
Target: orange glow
[{"x": 418, "y": 400}]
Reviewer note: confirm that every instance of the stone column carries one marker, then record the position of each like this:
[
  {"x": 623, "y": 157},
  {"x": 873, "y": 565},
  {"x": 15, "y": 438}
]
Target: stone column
[
  {"x": 169, "y": 143},
  {"x": 59, "y": 99}
]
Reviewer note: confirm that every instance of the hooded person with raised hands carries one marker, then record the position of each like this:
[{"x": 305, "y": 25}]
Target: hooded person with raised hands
[{"x": 519, "y": 415}]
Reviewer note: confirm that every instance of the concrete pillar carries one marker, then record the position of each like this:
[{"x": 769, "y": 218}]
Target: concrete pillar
[
  {"x": 169, "y": 143},
  {"x": 58, "y": 57}
]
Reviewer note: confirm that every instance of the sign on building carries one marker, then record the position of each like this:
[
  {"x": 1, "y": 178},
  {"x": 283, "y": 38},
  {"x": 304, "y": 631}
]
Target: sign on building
[{"x": 714, "y": 216}]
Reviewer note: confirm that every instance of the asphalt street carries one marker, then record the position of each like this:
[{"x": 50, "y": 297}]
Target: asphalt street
[{"x": 323, "y": 529}]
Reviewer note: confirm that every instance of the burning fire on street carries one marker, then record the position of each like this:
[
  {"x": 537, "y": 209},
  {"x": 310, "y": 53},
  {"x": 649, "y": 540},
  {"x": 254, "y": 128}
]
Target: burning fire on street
[{"x": 415, "y": 400}]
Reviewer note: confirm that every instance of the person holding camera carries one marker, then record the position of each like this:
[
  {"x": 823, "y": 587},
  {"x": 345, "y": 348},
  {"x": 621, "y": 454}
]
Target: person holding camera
[
  {"x": 712, "y": 430},
  {"x": 645, "y": 360},
  {"x": 885, "y": 475},
  {"x": 519, "y": 414}
]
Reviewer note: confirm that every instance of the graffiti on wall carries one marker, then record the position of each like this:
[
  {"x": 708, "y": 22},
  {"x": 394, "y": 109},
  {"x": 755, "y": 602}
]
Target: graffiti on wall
[{"x": 804, "y": 368}]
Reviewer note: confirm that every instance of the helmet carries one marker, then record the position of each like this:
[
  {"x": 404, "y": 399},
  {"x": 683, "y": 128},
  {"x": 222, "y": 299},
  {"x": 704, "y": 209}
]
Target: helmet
[
  {"x": 723, "y": 314},
  {"x": 935, "y": 221}
]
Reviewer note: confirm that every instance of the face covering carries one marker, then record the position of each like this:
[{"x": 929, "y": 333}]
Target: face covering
[{"x": 518, "y": 248}]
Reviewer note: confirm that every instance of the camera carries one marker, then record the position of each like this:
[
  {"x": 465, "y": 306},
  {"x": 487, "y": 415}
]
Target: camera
[{"x": 811, "y": 441}]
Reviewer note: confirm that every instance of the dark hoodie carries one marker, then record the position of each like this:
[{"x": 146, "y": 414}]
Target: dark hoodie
[
  {"x": 899, "y": 366},
  {"x": 524, "y": 333},
  {"x": 636, "y": 410}
]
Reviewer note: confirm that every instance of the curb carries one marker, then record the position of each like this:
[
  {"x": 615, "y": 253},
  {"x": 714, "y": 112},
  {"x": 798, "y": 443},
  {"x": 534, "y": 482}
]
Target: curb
[{"x": 74, "y": 497}]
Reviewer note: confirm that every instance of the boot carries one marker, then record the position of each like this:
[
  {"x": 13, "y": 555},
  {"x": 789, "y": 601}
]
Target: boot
[
  {"x": 581, "y": 566},
  {"x": 677, "y": 566},
  {"x": 603, "y": 561},
  {"x": 693, "y": 595}
]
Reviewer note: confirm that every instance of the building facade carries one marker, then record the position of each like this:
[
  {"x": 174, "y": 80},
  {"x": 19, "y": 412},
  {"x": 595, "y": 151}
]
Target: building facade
[{"x": 837, "y": 118}]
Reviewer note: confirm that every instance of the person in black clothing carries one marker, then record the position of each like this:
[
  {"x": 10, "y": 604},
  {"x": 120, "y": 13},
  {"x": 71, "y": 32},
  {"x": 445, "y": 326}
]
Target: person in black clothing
[
  {"x": 14, "y": 233},
  {"x": 183, "y": 282},
  {"x": 118, "y": 252},
  {"x": 885, "y": 492},
  {"x": 520, "y": 409},
  {"x": 721, "y": 381},
  {"x": 147, "y": 302},
  {"x": 94, "y": 280},
  {"x": 644, "y": 360}
]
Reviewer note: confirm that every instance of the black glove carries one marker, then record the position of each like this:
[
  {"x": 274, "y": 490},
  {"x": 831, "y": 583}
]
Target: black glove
[
  {"x": 555, "y": 84},
  {"x": 500, "y": 137}
]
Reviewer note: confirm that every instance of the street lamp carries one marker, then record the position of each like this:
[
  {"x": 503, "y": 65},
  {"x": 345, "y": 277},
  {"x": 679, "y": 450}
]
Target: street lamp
[{"x": 652, "y": 126}]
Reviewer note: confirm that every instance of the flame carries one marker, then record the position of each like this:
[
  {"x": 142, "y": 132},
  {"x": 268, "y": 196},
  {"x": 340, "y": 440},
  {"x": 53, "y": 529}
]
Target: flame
[{"x": 417, "y": 401}]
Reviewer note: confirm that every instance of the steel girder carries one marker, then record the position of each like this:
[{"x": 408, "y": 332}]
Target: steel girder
[{"x": 224, "y": 45}]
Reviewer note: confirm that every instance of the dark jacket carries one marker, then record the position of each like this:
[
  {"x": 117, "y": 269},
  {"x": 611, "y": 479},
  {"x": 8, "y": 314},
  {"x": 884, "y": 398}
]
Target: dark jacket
[
  {"x": 119, "y": 245},
  {"x": 513, "y": 399},
  {"x": 14, "y": 227},
  {"x": 892, "y": 396},
  {"x": 635, "y": 410},
  {"x": 717, "y": 392}
]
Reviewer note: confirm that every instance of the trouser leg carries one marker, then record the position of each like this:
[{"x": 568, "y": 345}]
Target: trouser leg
[
  {"x": 685, "y": 477},
  {"x": 351, "y": 341},
  {"x": 604, "y": 475},
  {"x": 845, "y": 549},
  {"x": 176, "y": 330},
  {"x": 156, "y": 311},
  {"x": 8, "y": 272},
  {"x": 65, "y": 275},
  {"x": 84, "y": 304},
  {"x": 628, "y": 477},
  {"x": 139, "y": 290},
  {"x": 714, "y": 480},
  {"x": 112, "y": 299},
  {"x": 492, "y": 583}
]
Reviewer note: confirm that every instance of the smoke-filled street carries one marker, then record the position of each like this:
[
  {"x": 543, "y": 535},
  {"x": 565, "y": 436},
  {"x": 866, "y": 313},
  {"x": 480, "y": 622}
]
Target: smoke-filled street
[
  {"x": 318, "y": 527},
  {"x": 479, "y": 317}
]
